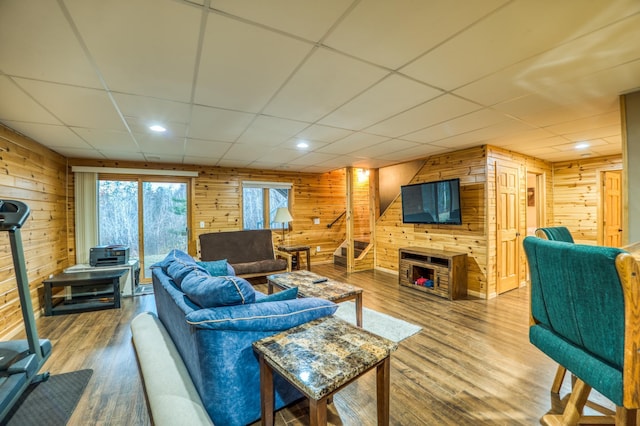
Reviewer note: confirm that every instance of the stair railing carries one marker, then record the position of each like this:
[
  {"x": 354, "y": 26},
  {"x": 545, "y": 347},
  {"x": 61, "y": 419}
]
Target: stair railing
[{"x": 337, "y": 219}]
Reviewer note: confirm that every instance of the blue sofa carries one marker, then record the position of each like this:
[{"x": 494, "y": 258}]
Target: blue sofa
[{"x": 213, "y": 320}]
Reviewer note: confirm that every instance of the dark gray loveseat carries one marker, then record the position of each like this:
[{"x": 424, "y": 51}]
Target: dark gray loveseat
[{"x": 249, "y": 252}]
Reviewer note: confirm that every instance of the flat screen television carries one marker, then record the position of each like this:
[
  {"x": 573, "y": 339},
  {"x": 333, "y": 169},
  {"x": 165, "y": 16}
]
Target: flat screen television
[{"x": 432, "y": 202}]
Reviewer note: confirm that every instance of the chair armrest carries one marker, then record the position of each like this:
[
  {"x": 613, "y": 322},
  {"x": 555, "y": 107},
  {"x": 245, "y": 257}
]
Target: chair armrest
[{"x": 287, "y": 256}]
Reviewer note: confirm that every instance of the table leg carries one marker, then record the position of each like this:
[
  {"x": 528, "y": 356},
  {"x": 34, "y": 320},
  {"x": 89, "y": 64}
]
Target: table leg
[
  {"x": 382, "y": 390},
  {"x": 48, "y": 302},
  {"x": 318, "y": 412},
  {"x": 266, "y": 392},
  {"x": 359, "y": 310},
  {"x": 269, "y": 287},
  {"x": 308, "y": 259}
]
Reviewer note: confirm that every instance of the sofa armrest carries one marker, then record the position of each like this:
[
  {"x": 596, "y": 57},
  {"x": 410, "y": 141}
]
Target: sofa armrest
[
  {"x": 286, "y": 256},
  {"x": 263, "y": 317}
]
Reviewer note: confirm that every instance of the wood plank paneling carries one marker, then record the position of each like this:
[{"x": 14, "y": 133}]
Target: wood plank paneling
[
  {"x": 470, "y": 237},
  {"x": 218, "y": 202},
  {"x": 576, "y": 195},
  {"x": 35, "y": 175}
]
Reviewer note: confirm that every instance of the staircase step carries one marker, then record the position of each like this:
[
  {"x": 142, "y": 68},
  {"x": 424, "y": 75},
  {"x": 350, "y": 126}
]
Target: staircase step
[{"x": 339, "y": 260}]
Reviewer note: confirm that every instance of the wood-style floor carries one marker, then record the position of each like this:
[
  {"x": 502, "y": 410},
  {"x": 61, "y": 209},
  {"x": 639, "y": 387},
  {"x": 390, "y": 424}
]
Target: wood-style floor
[{"x": 472, "y": 364}]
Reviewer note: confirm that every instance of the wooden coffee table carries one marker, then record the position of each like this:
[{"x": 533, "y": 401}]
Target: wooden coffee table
[
  {"x": 335, "y": 291},
  {"x": 319, "y": 358}
]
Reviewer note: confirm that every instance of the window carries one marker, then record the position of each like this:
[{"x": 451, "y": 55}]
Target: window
[
  {"x": 260, "y": 200},
  {"x": 148, "y": 214}
]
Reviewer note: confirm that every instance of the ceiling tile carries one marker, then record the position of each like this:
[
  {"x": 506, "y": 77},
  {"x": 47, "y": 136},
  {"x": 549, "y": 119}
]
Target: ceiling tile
[
  {"x": 320, "y": 133},
  {"x": 393, "y": 33},
  {"x": 232, "y": 53},
  {"x": 313, "y": 158},
  {"x": 435, "y": 111},
  {"x": 389, "y": 97},
  {"x": 271, "y": 131},
  {"x": 380, "y": 150},
  {"x": 148, "y": 110},
  {"x": 53, "y": 136},
  {"x": 325, "y": 81},
  {"x": 110, "y": 154},
  {"x": 131, "y": 41},
  {"x": 16, "y": 105},
  {"x": 81, "y": 153},
  {"x": 309, "y": 20},
  {"x": 547, "y": 111},
  {"x": 353, "y": 143},
  {"x": 510, "y": 35},
  {"x": 472, "y": 121},
  {"x": 209, "y": 149},
  {"x": 150, "y": 145},
  {"x": 218, "y": 124},
  {"x": 75, "y": 106},
  {"x": 246, "y": 152},
  {"x": 108, "y": 139},
  {"x": 51, "y": 52}
]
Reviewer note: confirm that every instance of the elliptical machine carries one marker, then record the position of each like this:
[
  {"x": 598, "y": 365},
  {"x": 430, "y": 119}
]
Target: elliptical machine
[{"x": 20, "y": 360}]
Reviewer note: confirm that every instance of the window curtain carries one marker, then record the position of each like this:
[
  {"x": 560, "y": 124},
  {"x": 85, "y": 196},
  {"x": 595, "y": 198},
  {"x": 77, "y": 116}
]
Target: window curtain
[{"x": 86, "y": 196}]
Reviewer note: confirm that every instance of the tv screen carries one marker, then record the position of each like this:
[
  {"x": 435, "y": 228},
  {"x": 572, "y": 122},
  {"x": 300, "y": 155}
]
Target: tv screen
[{"x": 432, "y": 202}]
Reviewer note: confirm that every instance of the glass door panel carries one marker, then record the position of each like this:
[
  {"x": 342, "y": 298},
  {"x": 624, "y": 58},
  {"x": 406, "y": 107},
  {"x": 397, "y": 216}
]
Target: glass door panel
[{"x": 164, "y": 221}]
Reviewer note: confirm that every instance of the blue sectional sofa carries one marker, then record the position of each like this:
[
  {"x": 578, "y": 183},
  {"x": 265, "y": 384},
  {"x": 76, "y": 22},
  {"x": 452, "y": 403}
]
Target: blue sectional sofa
[{"x": 213, "y": 320}]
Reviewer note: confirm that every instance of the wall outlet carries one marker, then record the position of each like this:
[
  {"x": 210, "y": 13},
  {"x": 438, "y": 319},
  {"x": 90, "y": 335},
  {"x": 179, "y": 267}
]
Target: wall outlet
[
  {"x": 316, "y": 221},
  {"x": 317, "y": 249},
  {"x": 202, "y": 224}
]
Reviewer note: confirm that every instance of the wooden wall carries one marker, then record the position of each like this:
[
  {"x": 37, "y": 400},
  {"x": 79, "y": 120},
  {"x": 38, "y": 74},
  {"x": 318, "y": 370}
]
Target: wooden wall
[
  {"x": 36, "y": 176},
  {"x": 391, "y": 234},
  {"x": 218, "y": 202},
  {"x": 577, "y": 192}
]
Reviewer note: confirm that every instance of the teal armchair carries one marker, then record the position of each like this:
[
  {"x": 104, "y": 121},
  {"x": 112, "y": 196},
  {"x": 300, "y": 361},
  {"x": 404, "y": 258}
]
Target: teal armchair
[
  {"x": 556, "y": 233},
  {"x": 585, "y": 306}
]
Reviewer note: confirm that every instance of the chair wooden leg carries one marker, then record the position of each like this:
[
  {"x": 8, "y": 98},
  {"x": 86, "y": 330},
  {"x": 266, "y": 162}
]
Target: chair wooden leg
[
  {"x": 573, "y": 410},
  {"x": 557, "y": 381},
  {"x": 625, "y": 417}
]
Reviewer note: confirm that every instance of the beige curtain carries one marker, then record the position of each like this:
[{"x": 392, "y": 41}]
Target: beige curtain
[{"x": 86, "y": 196}]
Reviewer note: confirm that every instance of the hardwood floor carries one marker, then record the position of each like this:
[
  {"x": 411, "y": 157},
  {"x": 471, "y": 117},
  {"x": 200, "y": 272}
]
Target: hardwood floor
[{"x": 472, "y": 364}]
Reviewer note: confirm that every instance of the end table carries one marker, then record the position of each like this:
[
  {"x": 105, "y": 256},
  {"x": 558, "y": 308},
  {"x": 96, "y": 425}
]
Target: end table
[{"x": 297, "y": 250}]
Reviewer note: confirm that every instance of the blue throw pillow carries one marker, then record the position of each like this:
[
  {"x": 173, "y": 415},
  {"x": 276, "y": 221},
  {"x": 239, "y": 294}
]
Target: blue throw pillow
[
  {"x": 178, "y": 264},
  {"x": 217, "y": 268},
  {"x": 211, "y": 292},
  {"x": 288, "y": 294}
]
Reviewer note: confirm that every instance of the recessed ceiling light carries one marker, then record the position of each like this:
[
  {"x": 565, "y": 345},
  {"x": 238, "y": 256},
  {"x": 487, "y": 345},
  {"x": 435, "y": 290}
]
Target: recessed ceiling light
[
  {"x": 582, "y": 145},
  {"x": 302, "y": 144},
  {"x": 157, "y": 128}
]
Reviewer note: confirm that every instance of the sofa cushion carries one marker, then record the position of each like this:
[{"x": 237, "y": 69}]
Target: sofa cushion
[
  {"x": 288, "y": 294},
  {"x": 217, "y": 268},
  {"x": 177, "y": 265},
  {"x": 210, "y": 292},
  {"x": 262, "y": 317},
  {"x": 260, "y": 266}
]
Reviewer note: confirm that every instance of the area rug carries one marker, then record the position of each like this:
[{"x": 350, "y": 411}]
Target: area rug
[
  {"x": 378, "y": 323},
  {"x": 49, "y": 403},
  {"x": 144, "y": 289}
]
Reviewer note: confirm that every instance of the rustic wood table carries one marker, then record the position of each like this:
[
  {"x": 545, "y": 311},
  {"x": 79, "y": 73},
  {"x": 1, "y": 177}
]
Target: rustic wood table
[
  {"x": 319, "y": 358},
  {"x": 297, "y": 250}
]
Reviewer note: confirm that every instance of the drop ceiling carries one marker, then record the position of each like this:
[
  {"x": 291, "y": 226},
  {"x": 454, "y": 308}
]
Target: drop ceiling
[{"x": 367, "y": 83}]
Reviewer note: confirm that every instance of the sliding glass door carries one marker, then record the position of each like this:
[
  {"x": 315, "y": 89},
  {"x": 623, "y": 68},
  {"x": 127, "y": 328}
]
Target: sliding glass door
[{"x": 145, "y": 213}]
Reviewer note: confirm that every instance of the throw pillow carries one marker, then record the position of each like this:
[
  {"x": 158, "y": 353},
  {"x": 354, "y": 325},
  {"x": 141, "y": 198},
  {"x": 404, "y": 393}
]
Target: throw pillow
[
  {"x": 288, "y": 294},
  {"x": 178, "y": 265},
  {"x": 211, "y": 292},
  {"x": 217, "y": 268}
]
